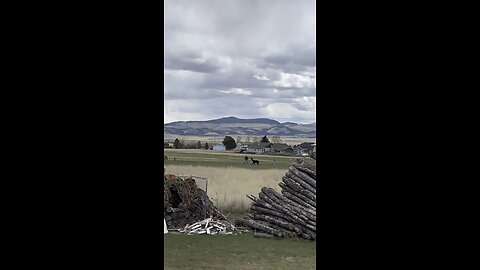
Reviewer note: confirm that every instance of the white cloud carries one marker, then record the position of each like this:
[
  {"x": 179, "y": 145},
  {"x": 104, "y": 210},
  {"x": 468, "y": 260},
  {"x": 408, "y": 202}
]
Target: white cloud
[
  {"x": 261, "y": 77},
  {"x": 295, "y": 81},
  {"x": 305, "y": 103},
  {"x": 288, "y": 112},
  {"x": 237, "y": 91}
]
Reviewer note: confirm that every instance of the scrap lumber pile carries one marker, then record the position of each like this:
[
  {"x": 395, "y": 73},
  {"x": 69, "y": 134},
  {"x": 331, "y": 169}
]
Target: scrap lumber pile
[
  {"x": 184, "y": 203},
  {"x": 209, "y": 226},
  {"x": 289, "y": 214}
]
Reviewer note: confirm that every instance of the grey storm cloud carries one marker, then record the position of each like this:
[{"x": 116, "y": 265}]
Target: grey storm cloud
[
  {"x": 195, "y": 64},
  {"x": 247, "y": 58}
]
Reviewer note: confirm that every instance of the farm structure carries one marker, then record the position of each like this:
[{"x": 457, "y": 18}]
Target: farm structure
[
  {"x": 281, "y": 148},
  {"x": 305, "y": 148},
  {"x": 219, "y": 147},
  {"x": 259, "y": 147}
]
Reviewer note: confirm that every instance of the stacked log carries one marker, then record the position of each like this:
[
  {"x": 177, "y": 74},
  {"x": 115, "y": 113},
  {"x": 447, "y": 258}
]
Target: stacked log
[
  {"x": 290, "y": 213},
  {"x": 186, "y": 203}
]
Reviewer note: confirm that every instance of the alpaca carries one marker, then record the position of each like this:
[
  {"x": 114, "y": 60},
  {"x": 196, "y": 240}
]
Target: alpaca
[{"x": 255, "y": 161}]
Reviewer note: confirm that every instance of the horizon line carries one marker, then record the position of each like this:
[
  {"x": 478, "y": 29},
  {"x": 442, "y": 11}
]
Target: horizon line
[{"x": 239, "y": 118}]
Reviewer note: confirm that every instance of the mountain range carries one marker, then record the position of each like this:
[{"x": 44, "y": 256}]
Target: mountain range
[{"x": 236, "y": 126}]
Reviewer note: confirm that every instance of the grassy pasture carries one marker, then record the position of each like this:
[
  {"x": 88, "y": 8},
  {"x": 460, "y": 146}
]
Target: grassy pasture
[
  {"x": 229, "y": 178},
  {"x": 227, "y": 160},
  {"x": 237, "y": 252},
  {"x": 227, "y": 187}
]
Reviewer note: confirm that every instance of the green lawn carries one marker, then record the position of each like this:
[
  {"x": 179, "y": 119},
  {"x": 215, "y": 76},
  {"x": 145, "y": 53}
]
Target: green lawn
[
  {"x": 236, "y": 252},
  {"x": 204, "y": 158}
]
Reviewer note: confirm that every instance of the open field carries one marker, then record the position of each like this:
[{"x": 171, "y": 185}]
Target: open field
[
  {"x": 227, "y": 187},
  {"x": 237, "y": 252},
  {"x": 197, "y": 157},
  {"x": 229, "y": 178}
]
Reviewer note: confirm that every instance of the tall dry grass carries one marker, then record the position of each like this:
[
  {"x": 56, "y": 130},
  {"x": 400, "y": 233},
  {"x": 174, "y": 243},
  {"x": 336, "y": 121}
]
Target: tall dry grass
[{"x": 227, "y": 187}]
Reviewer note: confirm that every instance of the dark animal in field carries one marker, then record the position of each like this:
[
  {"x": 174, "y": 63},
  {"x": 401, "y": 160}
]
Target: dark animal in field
[
  {"x": 255, "y": 161},
  {"x": 246, "y": 159}
]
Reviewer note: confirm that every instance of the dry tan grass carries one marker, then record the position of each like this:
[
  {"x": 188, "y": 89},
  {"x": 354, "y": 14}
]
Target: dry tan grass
[{"x": 227, "y": 187}]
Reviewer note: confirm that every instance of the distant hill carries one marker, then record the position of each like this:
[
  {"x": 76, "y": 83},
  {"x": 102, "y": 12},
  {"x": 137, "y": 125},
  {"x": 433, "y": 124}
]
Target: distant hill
[{"x": 237, "y": 126}]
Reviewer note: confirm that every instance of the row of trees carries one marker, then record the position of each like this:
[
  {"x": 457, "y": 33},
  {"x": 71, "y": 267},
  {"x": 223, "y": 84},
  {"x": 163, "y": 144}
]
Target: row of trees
[
  {"x": 181, "y": 144},
  {"x": 228, "y": 141},
  {"x": 248, "y": 139}
]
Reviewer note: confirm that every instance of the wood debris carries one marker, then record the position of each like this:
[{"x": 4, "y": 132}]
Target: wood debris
[
  {"x": 186, "y": 203},
  {"x": 209, "y": 226}
]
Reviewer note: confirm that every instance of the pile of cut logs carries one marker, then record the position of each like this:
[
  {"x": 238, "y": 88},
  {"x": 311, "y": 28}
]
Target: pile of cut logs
[{"x": 289, "y": 214}]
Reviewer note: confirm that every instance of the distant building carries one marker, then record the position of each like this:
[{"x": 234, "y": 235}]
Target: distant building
[
  {"x": 259, "y": 147},
  {"x": 168, "y": 145},
  {"x": 219, "y": 147},
  {"x": 304, "y": 148},
  {"x": 281, "y": 148}
]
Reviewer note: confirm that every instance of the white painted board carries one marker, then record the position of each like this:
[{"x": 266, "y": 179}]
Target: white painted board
[{"x": 165, "y": 230}]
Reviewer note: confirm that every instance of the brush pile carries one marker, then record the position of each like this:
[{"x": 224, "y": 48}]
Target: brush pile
[
  {"x": 184, "y": 203},
  {"x": 289, "y": 214},
  {"x": 209, "y": 226}
]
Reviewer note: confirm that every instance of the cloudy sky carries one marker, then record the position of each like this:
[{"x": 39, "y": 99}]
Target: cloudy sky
[{"x": 243, "y": 58}]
